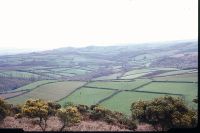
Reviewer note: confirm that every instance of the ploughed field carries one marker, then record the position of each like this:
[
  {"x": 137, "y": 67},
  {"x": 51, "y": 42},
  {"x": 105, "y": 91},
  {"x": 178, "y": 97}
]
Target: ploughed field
[{"x": 116, "y": 91}]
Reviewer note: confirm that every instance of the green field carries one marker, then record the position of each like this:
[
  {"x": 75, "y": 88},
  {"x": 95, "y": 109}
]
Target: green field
[
  {"x": 87, "y": 96},
  {"x": 37, "y": 68},
  {"x": 75, "y": 71},
  {"x": 58, "y": 69},
  {"x": 177, "y": 88},
  {"x": 41, "y": 71},
  {"x": 192, "y": 77},
  {"x": 122, "y": 101},
  {"x": 54, "y": 76},
  {"x": 174, "y": 72},
  {"x": 189, "y": 90},
  {"x": 164, "y": 68},
  {"x": 53, "y": 91},
  {"x": 119, "y": 85},
  {"x": 19, "y": 74},
  {"x": 65, "y": 74},
  {"x": 132, "y": 76},
  {"x": 122, "y": 80},
  {"x": 138, "y": 71},
  {"x": 33, "y": 85},
  {"x": 112, "y": 76}
]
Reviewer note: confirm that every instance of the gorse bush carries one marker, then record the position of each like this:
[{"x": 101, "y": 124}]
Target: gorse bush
[
  {"x": 36, "y": 109},
  {"x": 165, "y": 113},
  {"x": 69, "y": 116}
]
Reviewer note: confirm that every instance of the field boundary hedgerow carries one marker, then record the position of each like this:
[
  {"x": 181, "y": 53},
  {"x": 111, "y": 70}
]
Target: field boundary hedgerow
[
  {"x": 110, "y": 96},
  {"x": 175, "y": 74},
  {"x": 161, "y": 93},
  {"x": 141, "y": 86},
  {"x": 174, "y": 81},
  {"x": 101, "y": 88}
]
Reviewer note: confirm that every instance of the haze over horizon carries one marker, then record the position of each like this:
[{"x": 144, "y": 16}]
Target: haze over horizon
[{"x": 50, "y": 24}]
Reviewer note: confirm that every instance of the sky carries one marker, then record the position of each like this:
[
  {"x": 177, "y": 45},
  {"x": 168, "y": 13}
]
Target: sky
[{"x": 49, "y": 24}]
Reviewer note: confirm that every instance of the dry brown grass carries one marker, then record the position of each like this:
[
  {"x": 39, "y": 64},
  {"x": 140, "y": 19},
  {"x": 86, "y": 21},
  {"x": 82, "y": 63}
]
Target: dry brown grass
[{"x": 54, "y": 124}]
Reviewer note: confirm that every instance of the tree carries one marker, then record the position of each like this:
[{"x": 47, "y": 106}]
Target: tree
[
  {"x": 165, "y": 113},
  {"x": 68, "y": 115},
  {"x": 36, "y": 109}
]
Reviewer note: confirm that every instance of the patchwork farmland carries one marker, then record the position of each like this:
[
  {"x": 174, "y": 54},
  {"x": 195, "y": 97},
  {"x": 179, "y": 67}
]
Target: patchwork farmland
[
  {"x": 114, "y": 93},
  {"x": 113, "y": 77}
]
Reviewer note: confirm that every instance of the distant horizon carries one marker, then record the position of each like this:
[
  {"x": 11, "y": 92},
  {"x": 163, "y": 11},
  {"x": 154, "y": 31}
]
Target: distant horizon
[
  {"x": 99, "y": 45},
  {"x": 15, "y": 50}
]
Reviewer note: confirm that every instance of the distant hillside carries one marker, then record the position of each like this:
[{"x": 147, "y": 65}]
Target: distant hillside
[{"x": 103, "y": 56}]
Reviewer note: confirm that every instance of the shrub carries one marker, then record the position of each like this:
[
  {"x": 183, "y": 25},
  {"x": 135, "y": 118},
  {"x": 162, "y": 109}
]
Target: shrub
[
  {"x": 15, "y": 109},
  {"x": 36, "y": 109},
  {"x": 165, "y": 113},
  {"x": 68, "y": 116},
  {"x": 4, "y": 109},
  {"x": 93, "y": 106},
  {"x": 100, "y": 113},
  {"x": 82, "y": 108},
  {"x": 52, "y": 108}
]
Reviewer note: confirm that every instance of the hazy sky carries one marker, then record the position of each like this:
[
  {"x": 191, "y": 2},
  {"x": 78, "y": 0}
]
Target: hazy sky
[{"x": 50, "y": 24}]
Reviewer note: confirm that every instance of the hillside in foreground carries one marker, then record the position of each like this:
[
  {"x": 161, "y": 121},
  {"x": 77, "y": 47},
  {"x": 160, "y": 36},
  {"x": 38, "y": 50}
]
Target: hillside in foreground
[
  {"x": 54, "y": 125},
  {"x": 159, "y": 114}
]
